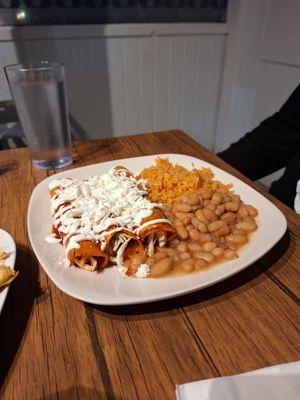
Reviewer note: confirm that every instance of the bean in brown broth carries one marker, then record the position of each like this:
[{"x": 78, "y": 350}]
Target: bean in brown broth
[{"x": 211, "y": 227}]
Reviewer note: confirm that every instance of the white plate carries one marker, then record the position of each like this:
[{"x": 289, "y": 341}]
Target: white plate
[
  {"x": 109, "y": 287},
  {"x": 7, "y": 244}
]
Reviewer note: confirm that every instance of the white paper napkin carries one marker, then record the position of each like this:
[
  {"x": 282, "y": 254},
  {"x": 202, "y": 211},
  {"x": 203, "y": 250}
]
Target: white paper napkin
[{"x": 280, "y": 382}]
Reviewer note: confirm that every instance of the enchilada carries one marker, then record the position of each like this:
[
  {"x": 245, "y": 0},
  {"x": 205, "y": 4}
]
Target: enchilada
[{"x": 106, "y": 218}]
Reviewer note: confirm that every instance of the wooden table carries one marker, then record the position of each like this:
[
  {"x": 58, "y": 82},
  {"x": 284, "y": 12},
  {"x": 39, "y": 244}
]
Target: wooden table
[{"x": 55, "y": 347}]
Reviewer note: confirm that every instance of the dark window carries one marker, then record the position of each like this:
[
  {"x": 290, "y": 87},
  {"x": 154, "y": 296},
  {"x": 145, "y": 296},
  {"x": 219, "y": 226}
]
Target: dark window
[{"x": 58, "y": 12}]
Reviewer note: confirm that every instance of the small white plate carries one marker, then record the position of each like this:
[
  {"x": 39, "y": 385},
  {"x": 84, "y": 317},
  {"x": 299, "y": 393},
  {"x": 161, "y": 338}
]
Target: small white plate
[
  {"x": 7, "y": 244},
  {"x": 109, "y": 287}
]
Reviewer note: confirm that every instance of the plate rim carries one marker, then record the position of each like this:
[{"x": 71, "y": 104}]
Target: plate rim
[
  {"x": 154, "y": 298},
  {"x": 5, "y": 290}
]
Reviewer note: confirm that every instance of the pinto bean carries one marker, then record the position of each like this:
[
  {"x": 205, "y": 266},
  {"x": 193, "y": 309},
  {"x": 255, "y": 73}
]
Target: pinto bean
[
  {"x": 204, "y": 255},
  {"x": 222, "y": 190},
  {"x": 205, "y": 237},
  {"x": 220, "y": 210},
  {"x": 216, "y": 199},
  {"x": 249, "y": 219},
  {"x": 195, "y": 208},
  {"x": 183, "y": 207},
  {"x": 226, "y": 199},
  {"x": 212, "y": 207},
  {"x": 173, "y": 243},
  {"x": 182, "y": 247},
  {"x": 194, "y": 234},
  {"x": 229, "y": 217},
  {"x": 171, "y": 252},
  {"x": 200, "y": 263},
  {"x": 195, "y": 222},
  {"x": 200, "y": 215},
  {"x": 237, "y": 231},
  {"x": 139, "y": 259},
  {"x": 209, "y": 214},
  {"x": 215, "y": 225},
  {"x": 231, "y": 206},
  {"x": 183, "y": 198},
  {"x": 177, "y": 222},
  {"x": 186, "y": 265},
  {"x": 225, "y": 230},
  {"x": 230, "y": 254},
  {"x": 231, "y": 246},
  {"x": 201, "y": 226},
  {"x": 185, "y": 256},
  {"x": 176, "y": 258},
  {"x": 237, "y": 239},
  {"x": 236, "y": 198},
  {"x": 186, "y": 220},
  {"x": 247, "y": 226},
  {"x": 160, "y": 255},
  {"x": 193, "y": 199},
  {"x": 194, "y": 246},
  {"x": 182, "y": 232},
  {"x": 182, "y": 215},
  {"x": 161, "y": 267},
  {"x": 206, "y": 195},
  {"x": 217, "y": 252},
  {"x": 242, "y": 212},
  {"x": 209, "y": 246},
  {"x": 252, "y": 211}
]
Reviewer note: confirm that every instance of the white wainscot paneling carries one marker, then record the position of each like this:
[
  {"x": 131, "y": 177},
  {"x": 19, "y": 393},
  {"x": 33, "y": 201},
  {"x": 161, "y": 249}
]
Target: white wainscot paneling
[
  {"x": 275, "y": 83},
  {"x": 127, "y": 79},
  {"x": 281, "y": 32}
]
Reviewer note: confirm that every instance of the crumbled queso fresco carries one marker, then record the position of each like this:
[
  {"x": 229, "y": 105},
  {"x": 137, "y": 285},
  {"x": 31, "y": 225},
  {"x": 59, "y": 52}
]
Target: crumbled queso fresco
[
  {"x": 86, "y": 209},
  {"x": 143, "y": 271}
]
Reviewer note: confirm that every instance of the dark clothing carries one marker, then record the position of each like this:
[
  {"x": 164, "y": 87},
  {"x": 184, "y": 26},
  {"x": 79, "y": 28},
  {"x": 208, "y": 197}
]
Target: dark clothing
[{"x": 274, "y": 144}]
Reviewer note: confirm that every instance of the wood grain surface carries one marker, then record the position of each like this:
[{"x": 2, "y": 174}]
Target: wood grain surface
[{"x": 55, "y": 347}]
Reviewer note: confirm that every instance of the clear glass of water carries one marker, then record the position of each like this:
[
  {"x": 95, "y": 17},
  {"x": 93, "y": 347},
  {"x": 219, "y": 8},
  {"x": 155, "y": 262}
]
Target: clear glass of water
[{"x": 39, "y": 92}]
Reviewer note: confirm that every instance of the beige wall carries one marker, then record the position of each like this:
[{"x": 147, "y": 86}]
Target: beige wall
[{"x": 125, "y": 79}]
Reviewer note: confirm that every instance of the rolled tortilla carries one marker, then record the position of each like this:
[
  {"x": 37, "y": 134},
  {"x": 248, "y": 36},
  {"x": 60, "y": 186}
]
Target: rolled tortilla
[
  {"x": 89, "y": 255},
  {"x": 123, "y": 244},
  {"x": 156, "y": 229}
]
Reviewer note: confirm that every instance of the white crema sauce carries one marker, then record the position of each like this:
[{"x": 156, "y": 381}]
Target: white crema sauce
[{"x": 85, "y": 209}]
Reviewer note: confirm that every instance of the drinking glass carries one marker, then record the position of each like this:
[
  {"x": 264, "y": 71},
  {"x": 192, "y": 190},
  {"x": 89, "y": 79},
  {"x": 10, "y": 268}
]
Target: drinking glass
[{"x": 39, "y": 92}]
